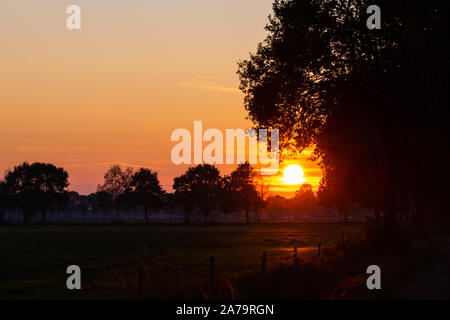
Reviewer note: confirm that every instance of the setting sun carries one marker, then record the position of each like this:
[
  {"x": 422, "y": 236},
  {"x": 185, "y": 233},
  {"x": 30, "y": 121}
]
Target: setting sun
[{"x": 293, "y": 174}]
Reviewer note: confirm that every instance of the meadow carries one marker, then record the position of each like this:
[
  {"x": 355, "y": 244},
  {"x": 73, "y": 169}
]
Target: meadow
[{"x": 34, "y": 258}]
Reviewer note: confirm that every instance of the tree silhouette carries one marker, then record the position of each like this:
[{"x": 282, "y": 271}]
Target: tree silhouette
[
  {"x": 146, "y": 191},
  {"x": 199, "y": 186},
  {"x": 241, "y": 181},
  {"x": 38, "y": 186},
  {"x": 117, "y": 183},
  {"x": 101, "y": 201},
  {"x": 227, "y": 196},
  {"x": 369, "y": 100},
  {"x": 304, "y": 198},
  {"x": 183, "y": 195},
  {"x": 77, "y": 203}
]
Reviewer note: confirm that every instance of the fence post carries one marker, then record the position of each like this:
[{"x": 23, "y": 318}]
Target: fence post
[{"x": 318, "y": 249}]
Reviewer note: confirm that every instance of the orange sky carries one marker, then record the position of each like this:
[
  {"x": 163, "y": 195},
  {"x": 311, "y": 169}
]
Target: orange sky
[{"x": 114, "y": 91}]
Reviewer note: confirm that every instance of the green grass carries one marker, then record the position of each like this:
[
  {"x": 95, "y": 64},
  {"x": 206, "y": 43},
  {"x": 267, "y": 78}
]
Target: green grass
[{"x": 34, "y": 258}]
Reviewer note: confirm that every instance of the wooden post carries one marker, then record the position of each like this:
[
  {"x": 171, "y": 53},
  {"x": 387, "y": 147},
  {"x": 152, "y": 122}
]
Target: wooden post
[
  {"x": 263, "y": 267},
  {"x": 211, "y": 272},
  {"x": 318, "y": 249}
]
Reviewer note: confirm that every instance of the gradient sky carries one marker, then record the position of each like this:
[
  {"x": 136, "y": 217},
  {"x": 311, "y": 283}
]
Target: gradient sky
[{"x": 113, "y": 92}]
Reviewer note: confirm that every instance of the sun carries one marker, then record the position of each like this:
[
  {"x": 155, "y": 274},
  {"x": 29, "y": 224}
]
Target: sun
[{"x": 293, "y": 174}]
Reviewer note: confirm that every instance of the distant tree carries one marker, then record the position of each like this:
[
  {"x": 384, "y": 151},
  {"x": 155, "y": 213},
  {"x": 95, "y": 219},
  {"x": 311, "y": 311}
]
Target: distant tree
[
  {"x": 227, "y": 196},
  {"x": 199, "y": 187},
  {"x": 101, "y": 201},
  {"x": 170, "y": 204},
  {"x": 183, "y": 196},
  {"x": 117, "y": 183},
  {"x": 241, "y": 181},
  {"x": 305, "y": 190},
  {"x": 38, "y": 186},
  {"x": 77, "y": 203},
  {"x": 304, "y": 198},
  {"x": 146, "y": 191},
  {"x": 276, "y": 205},
  {"x": 262, "y": 186}
]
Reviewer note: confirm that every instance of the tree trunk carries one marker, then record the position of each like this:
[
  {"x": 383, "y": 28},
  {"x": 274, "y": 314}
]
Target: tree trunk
[
  {"x": 246, "y": 214},
  {"x": 206, "y": 216},
  {"x": 186, "y": 217}
]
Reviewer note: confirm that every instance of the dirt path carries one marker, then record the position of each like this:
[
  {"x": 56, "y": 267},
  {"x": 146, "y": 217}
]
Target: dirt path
[{"x": 431, "y": 280}]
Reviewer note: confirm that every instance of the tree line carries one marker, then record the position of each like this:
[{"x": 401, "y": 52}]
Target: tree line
[{"x": 40, "y": 187}]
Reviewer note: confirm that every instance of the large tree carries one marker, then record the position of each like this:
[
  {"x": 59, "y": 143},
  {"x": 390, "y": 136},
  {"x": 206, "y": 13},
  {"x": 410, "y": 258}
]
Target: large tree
[
  {"x": 117, "y": 183},
  {"x": 369, "y": 100},
  {"x": 200, "y": 186},
  {"x": 244, "y": 190},
  {"x": 183, "y": 196},
  {"x": 37, "y": 186},
  {"x": 146, "y": 191}
]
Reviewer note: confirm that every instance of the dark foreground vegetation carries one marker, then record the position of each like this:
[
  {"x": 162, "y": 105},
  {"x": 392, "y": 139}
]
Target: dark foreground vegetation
[
  {"x": 273, "y": 261},
  {"x": 175, "y": 258},
  {"x": 335, "y": 271}
]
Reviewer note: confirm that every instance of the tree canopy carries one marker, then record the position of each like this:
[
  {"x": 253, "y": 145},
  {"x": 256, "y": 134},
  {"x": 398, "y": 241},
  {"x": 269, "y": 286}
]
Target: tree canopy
[
  {"x": 147, "y": 191},
  {"x": 372, "y": 102},
  {"x": 117, "y": 183},
  {"x": 37, "y": 186},
  {"x": 199, "y": 187}
]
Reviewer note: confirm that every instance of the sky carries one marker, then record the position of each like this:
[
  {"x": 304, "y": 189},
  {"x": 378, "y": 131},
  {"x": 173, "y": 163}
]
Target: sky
[{"x": 115, "y": 90}]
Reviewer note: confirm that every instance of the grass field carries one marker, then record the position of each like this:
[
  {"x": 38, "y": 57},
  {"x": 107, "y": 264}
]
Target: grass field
[{"x": 34, "y": 258}]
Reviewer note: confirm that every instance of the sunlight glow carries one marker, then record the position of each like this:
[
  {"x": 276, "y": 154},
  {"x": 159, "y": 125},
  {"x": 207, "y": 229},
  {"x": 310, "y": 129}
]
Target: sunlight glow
[{"x": 293, "y": 174}]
